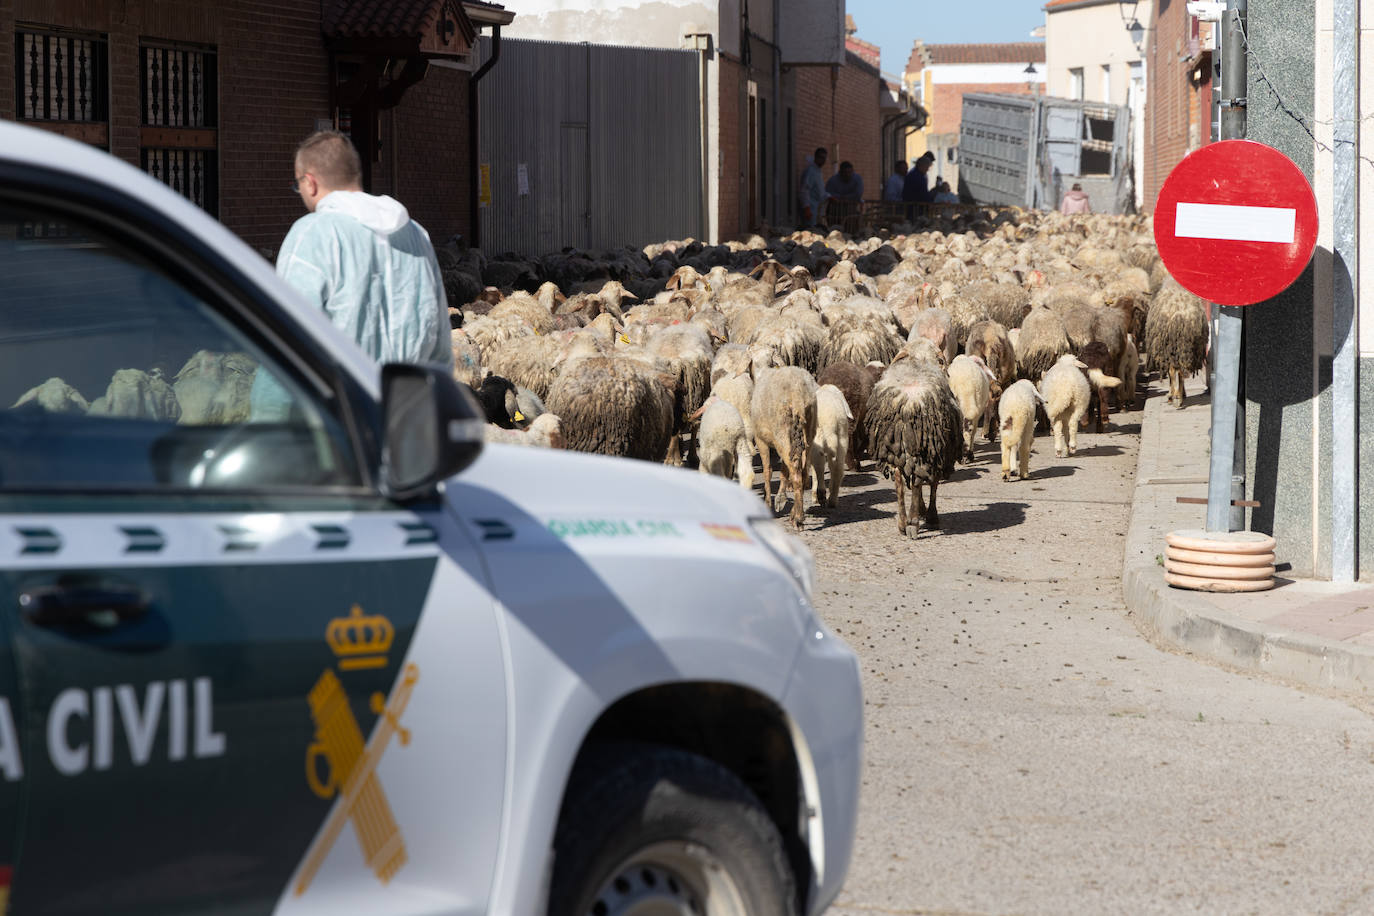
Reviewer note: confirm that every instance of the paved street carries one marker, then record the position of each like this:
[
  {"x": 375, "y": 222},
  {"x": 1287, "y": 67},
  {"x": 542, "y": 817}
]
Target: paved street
[{"x": 1028, "y": 751}]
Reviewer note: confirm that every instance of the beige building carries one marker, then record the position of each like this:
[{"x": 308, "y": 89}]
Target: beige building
[{"x": 1094, "y": 51}]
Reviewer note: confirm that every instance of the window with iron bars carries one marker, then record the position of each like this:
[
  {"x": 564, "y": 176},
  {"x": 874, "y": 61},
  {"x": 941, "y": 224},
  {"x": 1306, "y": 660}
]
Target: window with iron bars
[
  {"x": 62, "y": 82},
  {"x": 179, "y": 101}
]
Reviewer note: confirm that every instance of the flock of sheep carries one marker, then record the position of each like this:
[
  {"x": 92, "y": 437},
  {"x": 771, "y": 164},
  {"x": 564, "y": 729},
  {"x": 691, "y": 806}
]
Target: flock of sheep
[
  {"x": 826, "y": 350},
  {"x": 823, "y": 350}
]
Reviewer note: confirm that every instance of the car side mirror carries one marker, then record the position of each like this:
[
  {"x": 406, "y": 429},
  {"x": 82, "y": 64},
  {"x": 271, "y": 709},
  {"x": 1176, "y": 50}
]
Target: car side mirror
[{"x": 432, "y": 429}]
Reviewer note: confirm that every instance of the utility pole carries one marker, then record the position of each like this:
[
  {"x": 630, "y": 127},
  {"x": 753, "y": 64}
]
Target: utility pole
[
  {"x": 1226, "y": 475},
  {"x": 1345, "y": 376}
]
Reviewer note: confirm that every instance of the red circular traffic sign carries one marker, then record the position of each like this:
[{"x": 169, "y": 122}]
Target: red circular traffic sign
[{"x": 1236, "y": 222}]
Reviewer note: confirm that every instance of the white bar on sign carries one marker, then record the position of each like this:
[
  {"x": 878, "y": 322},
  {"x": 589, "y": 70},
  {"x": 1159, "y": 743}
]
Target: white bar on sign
[{"x": 1237, "y": 224}]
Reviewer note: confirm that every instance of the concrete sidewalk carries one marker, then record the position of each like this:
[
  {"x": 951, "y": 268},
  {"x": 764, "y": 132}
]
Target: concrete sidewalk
[{"x": 1313, "y": 632}]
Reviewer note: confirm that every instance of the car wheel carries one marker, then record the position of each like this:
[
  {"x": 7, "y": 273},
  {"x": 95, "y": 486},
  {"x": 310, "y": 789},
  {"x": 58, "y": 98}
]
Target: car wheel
[{"x": 651, "y": 830}]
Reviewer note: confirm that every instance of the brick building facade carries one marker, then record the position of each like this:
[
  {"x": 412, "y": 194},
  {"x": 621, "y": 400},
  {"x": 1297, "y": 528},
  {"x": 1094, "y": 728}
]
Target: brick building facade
[
  {"x": 838, "y": 108},
  {"x": 1178, "y": 111},
  {"x": 938, "y": 76},
  {"x": 212, "y": 97}
]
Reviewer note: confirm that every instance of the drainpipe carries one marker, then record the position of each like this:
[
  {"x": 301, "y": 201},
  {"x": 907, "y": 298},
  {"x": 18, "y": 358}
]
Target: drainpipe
[
  {"x": 474, "y": 155},
  {"x": 703, "y": 43}
]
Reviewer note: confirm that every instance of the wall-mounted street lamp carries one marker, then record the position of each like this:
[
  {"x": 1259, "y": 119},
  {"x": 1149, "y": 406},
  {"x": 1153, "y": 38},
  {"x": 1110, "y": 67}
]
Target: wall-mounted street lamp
[{"x": 1127, "y": 9}]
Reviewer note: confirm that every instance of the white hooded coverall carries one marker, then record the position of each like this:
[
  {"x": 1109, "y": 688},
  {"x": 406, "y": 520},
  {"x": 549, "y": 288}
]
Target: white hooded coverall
[{"x": 371, "y": 268}]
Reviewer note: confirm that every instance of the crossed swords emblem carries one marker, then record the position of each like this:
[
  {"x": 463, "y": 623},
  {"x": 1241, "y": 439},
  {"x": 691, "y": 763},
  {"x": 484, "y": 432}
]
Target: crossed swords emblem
[{"x": 353, "y": 774}]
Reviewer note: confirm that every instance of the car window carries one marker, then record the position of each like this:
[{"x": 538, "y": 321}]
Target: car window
[{"x": 113, "y": 375}]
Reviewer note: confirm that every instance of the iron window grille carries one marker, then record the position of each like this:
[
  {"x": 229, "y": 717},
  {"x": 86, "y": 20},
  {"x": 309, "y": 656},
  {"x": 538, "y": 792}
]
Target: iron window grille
[{"x": 179, "y": 105}]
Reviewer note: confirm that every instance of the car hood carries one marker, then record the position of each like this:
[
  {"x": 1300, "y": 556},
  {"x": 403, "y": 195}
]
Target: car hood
[{"x": 550, "y": 484}]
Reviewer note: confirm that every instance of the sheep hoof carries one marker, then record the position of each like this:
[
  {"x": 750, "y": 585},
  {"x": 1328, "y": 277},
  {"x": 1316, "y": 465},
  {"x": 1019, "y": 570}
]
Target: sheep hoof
[
  {"x": 912, "y": 531},
  {"x": 1059, "y": 453},
  {"x": 1006, "y": 476}
]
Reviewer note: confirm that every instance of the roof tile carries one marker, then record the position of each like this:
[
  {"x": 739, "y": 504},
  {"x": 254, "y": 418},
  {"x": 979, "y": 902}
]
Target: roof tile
[
  {"x": 379, "y": 18},
  {"x": 1015, "y": 52}
]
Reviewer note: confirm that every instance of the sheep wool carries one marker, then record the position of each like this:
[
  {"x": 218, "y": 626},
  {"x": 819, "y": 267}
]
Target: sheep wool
[
  {"x": 829, "y": 449},
  {"x": 1066, "y": 392},
  {"x": 614, "y": 406},
  {"x": 784, "y": 413},
  {"x": 723, "y": 446},
  {"x": 1176, "y": 337},
  {"x": 1016, "y": 416},
  {"x": 971, "y": 382},
  {"x": 914, "y": 432}
]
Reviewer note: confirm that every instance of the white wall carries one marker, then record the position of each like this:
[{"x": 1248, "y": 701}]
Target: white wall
[
  {"x": 657, "y": 24},
  {"x": 1092, "y": 37},
  {"x": 986, "y": 73}
]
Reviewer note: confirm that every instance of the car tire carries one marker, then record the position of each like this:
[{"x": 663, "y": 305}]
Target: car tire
[{"x": 647, "y": 828}]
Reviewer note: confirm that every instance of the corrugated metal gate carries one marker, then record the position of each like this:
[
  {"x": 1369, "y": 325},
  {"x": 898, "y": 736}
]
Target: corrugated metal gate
[
  {"x": 1027, "y": 150},
  {"x": 608, "y": 140}
]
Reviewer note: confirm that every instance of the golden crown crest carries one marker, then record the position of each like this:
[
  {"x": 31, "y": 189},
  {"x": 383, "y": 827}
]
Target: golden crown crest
[{"x": 358, "y": 635}]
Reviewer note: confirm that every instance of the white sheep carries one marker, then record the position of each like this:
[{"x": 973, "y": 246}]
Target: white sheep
[
  {"x": 1016, "y": 414},
  {"x": 738, "y": 390},
  {"x": 545, "y": 432},
  {"x": 1067, "y": 395},
  {"x": 972, "y": 383},
  {"x": 723, "y": 446},
  {"x": 830, "y": 448}
]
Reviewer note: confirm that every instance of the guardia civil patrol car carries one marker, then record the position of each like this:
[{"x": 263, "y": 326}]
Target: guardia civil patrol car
[{"x": 351, "y": 662}]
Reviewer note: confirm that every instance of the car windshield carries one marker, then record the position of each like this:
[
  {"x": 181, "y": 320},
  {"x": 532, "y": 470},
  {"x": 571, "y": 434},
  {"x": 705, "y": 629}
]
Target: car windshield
[{"x": 116, "y": 375}]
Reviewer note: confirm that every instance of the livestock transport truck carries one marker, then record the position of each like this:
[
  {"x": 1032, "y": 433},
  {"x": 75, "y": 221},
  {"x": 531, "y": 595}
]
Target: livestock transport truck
[{"x": 1026, "y": 151}]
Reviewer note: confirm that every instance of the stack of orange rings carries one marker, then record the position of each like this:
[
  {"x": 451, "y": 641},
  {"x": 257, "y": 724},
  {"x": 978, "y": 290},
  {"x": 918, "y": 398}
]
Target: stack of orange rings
[{"x": 1239, "y": 561}]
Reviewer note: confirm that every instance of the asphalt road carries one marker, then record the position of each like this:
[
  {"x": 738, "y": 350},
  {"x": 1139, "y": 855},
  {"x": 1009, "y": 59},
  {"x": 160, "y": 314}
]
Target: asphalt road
[{"x": 1028, "y": 751}]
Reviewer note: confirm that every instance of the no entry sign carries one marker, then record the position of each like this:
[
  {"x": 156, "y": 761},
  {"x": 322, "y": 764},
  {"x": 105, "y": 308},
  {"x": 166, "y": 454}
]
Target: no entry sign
[{"x": 1236, "y": 222}]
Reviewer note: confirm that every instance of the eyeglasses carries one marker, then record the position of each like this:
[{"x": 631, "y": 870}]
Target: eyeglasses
[{"x": 296, "y": 182}]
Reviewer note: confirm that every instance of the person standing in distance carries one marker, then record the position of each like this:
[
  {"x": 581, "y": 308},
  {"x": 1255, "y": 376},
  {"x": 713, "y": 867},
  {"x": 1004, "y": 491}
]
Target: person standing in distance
[
  {"x": 361, "y": 260},
  {"x": 811, "y": 189},
  {"x": 892, "y": 188}
]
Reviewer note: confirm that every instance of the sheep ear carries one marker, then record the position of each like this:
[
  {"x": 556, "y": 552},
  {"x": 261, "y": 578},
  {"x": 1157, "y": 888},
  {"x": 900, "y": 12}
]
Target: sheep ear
[{"x": 1080, "y": 364}]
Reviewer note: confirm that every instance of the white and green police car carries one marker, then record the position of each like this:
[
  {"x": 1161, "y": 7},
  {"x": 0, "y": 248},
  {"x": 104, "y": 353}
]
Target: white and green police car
[{"x": 353, "y": 662}]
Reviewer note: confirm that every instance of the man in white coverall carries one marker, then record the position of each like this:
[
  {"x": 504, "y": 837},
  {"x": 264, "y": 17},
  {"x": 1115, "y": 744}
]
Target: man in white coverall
[{"x": 364, "y": 262}]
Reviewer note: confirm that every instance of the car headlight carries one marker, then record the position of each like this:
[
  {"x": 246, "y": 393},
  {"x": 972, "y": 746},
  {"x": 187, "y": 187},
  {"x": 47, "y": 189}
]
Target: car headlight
[{"x": 790, "y": 550}]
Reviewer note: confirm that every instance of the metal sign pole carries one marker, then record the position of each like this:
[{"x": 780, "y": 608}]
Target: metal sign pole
[{"x": 1226, "y": 474}]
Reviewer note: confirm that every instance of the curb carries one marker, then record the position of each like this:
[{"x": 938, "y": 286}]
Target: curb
[
  {"x": 1183, "y": 619},
  {"x": 1187, "y": 620}
]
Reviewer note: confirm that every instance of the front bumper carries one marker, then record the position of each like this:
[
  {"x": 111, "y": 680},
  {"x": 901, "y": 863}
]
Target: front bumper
[{"x": 825, "y": 701}]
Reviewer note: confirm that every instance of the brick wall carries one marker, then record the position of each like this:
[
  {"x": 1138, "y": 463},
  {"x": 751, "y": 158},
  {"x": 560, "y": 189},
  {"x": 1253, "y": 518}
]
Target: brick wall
[
  {"x": 1177, "y": 109},
  {"x": 431, "y": 153},
  {"x": 273, "y": 86},
  {"x": 837, "y": 108},
  {"x": 946, "y": 106}
]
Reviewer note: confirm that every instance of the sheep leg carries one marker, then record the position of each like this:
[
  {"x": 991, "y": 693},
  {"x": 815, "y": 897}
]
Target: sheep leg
[
  {"x": 1102, "y": 412},
  {"x": 1058, "y": 424},
  {"x": 816, "y": 466},
  {"x": 766, "y": 453},
  {"x": 1073, "y": 433},
  {"x": 970, "y": 430},
  {"x": 1024, "y": 450},
  {"x": 744, "y": 463},
  {"x": 929, "y": 513},
  {"x": 902, "y": 528},
  {"x": 1006, "y": 458},
  {"x": 674, "y": 451},
  {"x": 798, "y": 473},
  {"x": 1182, "y": 388},
  {"x": 836, "y": 475},
  {"x": 991, "y": 413},
  {"x": 851, "y": 458}
]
